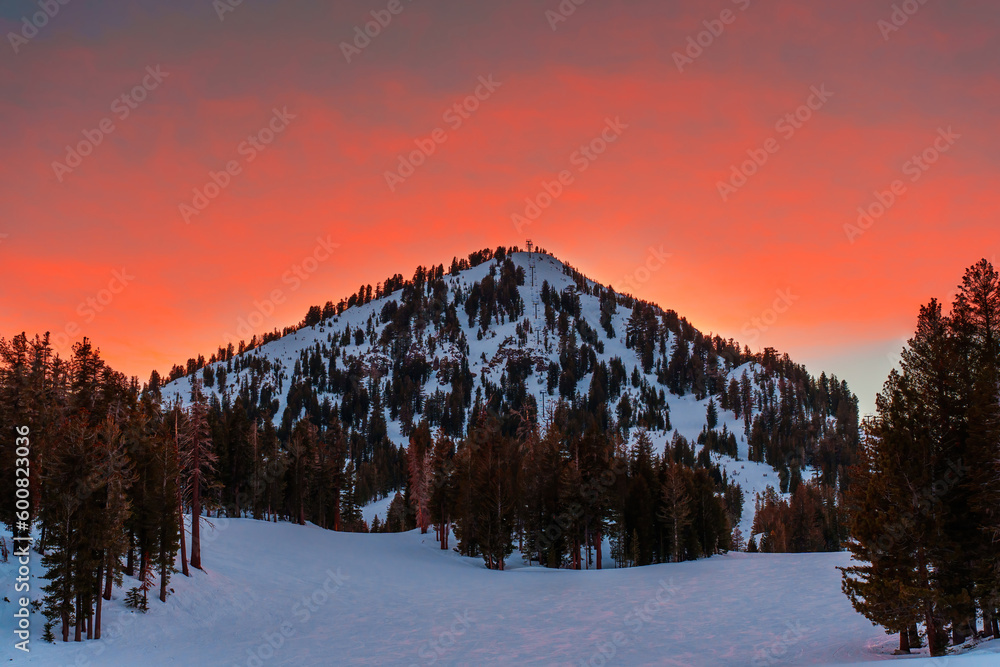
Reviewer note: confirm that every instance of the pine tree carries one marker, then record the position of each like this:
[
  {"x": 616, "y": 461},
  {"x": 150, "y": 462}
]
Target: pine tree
[
  {"x": 641, "y": 499},
  {"x": 495, "y": 464},
  {"x": 975, "y": 498},
  {"x": 441, "y": 497},
  {"x": 712, "y": 415},
  {"x": 676, "y": 509},
  {"x": 178, "y": 464},
  {"x": 913, "y": 480},
  {"x": 62, "y": 513},
  {"x": 170, "y": 524},
  {"x": 198, "y": 463},
  {"x": 418, "y": 458},
  {"x": 351, "y": 509},
  {"x": 302, "y": 445},
  {"x": 115, "y": 476},
  {"x": 879, "y": 588}
]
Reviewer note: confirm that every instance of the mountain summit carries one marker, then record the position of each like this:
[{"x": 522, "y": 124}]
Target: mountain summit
[{"x": 510, "y": 330}]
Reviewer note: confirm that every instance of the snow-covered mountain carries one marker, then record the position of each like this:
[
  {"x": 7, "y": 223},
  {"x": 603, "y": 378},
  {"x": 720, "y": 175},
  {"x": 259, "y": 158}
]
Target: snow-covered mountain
[{"x": 519, "y": 328}]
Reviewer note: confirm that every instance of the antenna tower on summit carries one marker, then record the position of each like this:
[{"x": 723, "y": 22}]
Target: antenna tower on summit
[{"x": 534, "y": 292}]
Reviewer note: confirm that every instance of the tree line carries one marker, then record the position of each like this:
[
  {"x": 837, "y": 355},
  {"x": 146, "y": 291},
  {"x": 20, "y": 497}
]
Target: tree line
[
  {"x": 119, "y": 479},
  {"x": 925, "y": 502},
  {"x": 555, "y": 488}
]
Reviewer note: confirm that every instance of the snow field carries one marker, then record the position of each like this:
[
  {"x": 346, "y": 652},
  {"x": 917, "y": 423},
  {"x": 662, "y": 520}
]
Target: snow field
[{"x": 283, "y": 594}]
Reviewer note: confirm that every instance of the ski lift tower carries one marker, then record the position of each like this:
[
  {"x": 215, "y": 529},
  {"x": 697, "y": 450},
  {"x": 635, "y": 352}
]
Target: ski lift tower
[{"x": 534, "y": 292}]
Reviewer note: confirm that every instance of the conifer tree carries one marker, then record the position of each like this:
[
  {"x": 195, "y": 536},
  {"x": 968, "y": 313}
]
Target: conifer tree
[
  {"x": 418, "y": 458},
  {"x": 301, "y": 449},
  {"x": 675, "y": 510},
  {"x": 441, "y": 497},
  {"x": 921, "y": 488},
  {"x": 198, "y": 463},
  {"x": 63, "y": 514}
]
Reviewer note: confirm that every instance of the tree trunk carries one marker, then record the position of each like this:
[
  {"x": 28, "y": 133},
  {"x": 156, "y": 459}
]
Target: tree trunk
[
  {"x": 600, "y": 548},
  {"x": 66, "y": 590},
  {"x": 933, "y": 640},
  {"x": 336, "y": 509},
  {"x": 937, "y": 641},
  {"x": 904, "y": 643},
  {"x": 184, "y": 557},
  {"x": 100, "y": 599},
  {"x": 180, "y": 495},
  {"x": 914, "y": 636},
  {"x": 78, "y": 636},
  {"x": 144, "y": 569},
  {"x": 196, "y": 510},
  {"x": 130, "y": 558},
  {"x": 163, "y": 581},
  {"x": 996, "y": 626},
  {"x": 109, "y": 577}
]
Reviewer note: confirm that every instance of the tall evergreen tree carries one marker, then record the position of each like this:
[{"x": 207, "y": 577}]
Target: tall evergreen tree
[{"x": 198, "y": 463}]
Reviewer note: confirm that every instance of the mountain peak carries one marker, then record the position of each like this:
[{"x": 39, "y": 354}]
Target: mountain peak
[{"x": 510, "y": 329}]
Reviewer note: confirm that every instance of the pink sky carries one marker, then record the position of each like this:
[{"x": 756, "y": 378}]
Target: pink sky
[{"x": 186, "y": 280}]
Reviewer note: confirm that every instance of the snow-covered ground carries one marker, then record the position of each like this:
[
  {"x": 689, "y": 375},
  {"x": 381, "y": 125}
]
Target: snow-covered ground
[
  {"x": 377, "y": 508},
  {"x": 282, "y": 594}
]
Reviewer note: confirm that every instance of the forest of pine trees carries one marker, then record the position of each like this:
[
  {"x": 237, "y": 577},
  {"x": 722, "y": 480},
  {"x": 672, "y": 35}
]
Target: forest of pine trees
[
  {"x": 114, "y": 471},
  {"x": 925, "y": 499},
  {"x": 555, "y": 490}
]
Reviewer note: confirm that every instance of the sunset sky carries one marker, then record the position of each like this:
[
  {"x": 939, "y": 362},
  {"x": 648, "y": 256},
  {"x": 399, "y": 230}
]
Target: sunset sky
[{"x": 119, "y": 221}]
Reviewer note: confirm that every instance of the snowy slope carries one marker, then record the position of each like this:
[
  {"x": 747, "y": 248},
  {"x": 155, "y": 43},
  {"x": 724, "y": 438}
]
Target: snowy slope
[
  {"x": 377, "y": 508},
  {"x": 323, "y": 598}
]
